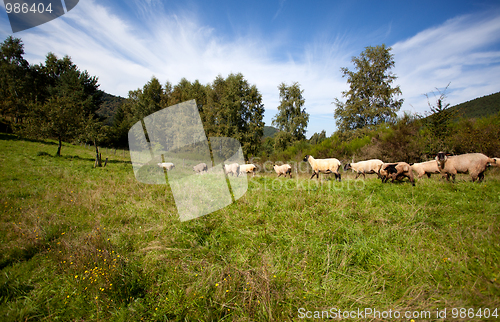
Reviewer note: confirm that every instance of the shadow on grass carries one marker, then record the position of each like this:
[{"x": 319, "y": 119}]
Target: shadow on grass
[
  {"x": 77, "y": 157},
  {"x": 14, "y": 137}
]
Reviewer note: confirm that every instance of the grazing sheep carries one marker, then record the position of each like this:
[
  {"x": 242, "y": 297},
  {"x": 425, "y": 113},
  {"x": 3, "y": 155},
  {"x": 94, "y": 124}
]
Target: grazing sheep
[
  {"x": 428, "y": 168},
  {"x": 324, "y": 165},
  {"x": 283, "y": 170},
  {"x": 233, "y": 169},
  {"x": 200, "y": 168},
  {"x": 364, "y": 167},
  {"x": 248, "y": 168},
  {"x": 473, "y": 163},
  {"x": 166, "y": 165},
  {"x": 396, "y": 171}
]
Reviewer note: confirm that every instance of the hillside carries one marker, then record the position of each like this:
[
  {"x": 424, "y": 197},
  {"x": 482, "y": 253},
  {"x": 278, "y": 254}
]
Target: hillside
[
  {"x": 269, "y": 131},
  {"x": 109, "y": 106},
  {"x": 479, "y": 107}
]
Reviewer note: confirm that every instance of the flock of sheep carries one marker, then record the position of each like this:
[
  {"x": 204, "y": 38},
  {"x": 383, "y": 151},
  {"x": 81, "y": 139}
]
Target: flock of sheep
[
  {"x": 473, "y": 163},
  {"x": 233, "y": 169}
]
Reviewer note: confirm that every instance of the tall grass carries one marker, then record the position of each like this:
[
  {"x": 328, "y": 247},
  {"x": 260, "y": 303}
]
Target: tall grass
[{"x": 83, "y": 243}]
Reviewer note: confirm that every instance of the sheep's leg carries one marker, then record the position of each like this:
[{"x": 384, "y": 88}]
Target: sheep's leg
[
  {"x": 428, "y": 175},
  {"x": 357, "y": 175},
  {"x": 314, "y": 174}
]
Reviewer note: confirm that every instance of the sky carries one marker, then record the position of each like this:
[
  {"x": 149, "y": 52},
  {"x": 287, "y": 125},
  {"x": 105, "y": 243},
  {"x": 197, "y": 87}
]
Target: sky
[{"x": 125, "y": 43}]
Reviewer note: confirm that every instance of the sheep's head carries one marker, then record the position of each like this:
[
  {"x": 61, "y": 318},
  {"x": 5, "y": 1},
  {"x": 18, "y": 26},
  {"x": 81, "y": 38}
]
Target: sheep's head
[
  {"x": 391, "y": 168},
  {"x": 306, "y": 158},
  {"x": 495, "y": 163},
  {"x": 441, "y": 158},
  {"x": 347, "y": 167}
]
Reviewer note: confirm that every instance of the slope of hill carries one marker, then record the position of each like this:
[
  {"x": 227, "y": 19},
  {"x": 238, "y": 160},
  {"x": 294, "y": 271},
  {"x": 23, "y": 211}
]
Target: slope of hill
[
  {"x": 269, "y": 131},
  {"x": 109, "y": 106},
  {"x": 479, "y": 107}
]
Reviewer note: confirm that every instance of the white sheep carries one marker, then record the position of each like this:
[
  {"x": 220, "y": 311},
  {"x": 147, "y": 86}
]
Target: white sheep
[
  {"x": 364, "y": 167},
  {"x": 283, "y": 170},
  {"x": 427, "y": 167},
  {"x": 473, "y": 163},
  {"x": 166, "y": 165},
  {"x": 248, "y": 168},
  {"x": 396, "y": 171},
  {"x": 326, "y": 166},
  {"x": 233, "y": 169},
  {"x": 200, "y": 167}
]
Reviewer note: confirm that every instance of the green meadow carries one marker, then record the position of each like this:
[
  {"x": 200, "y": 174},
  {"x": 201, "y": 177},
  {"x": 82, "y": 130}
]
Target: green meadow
[{"x": 79, "y": 243}]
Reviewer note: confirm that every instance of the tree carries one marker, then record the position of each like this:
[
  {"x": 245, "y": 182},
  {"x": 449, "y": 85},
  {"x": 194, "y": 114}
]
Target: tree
[
  {"x": 318, "y": 138},
  {"x": 441, "y": 116},
  {"x": 370, "y": 98},
  {"x": 14, "y": 79},
  {"x": 291, "y": 117},
  {"x": 234, "y": 109},
  {"x": 439, "y": 121},
  {"x": 72, "y": 99}
]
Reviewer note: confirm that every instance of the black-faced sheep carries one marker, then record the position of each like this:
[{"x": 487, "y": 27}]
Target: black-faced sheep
[
  {"x": 396, "y": 171},
  {"x": 364, "y": 167},
  {"x": 473, "y": 163},
  {"x": 200, "y": 168},
  {"x": 248, "y": 168},
  {"x": 233, "y": 169},
  {"x": 166, "y": 165},
  {"x": 428, "y": 168},
  {"x": 324, "y": 165},
  {"x": 283, "y": 170}
]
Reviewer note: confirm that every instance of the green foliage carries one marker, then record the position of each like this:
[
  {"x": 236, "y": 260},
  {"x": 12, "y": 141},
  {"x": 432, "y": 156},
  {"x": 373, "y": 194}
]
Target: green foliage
[
  {"x": 269, "y": 131},
  {"x": 291, "y": 117},
  {"x": 318, "y": 138},
  {"x": 109, "y": 107},
  {"x": 440, "y": 120},
  {"x": 15, "y": 80},
  {"x": 282, "y": 140},
  {"x": 370, "y": 98},
  {"x": 72, "y": 97},
  {"x": 234, "y": 109}
]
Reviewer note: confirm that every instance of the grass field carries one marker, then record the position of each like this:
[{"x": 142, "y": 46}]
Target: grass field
[{"x": 79, "y": 243}]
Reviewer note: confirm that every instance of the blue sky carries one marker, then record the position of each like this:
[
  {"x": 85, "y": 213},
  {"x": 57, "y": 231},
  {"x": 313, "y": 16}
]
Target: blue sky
[{"x": 126, "y": 42}]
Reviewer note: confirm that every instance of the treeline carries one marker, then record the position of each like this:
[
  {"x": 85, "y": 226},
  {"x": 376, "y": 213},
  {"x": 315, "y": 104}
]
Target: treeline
[
  {"x": 229, "y": 107},
  {"x": 58, "y": 100}
]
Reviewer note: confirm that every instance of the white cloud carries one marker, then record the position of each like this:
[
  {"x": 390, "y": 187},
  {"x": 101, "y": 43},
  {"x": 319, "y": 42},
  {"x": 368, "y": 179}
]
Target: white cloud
[{"x": 459, "y": 52}]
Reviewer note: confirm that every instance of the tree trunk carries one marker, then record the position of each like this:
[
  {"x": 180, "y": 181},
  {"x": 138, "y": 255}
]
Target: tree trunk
[
  {"x": 59, "y": 147},
  {"x": 98, "y": 162}
]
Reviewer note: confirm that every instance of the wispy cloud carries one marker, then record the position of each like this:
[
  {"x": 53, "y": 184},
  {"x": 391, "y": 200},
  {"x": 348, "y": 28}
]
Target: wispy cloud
[
  {"x": 462, "y": 51},
  {"x": 281, "y": 4}
]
